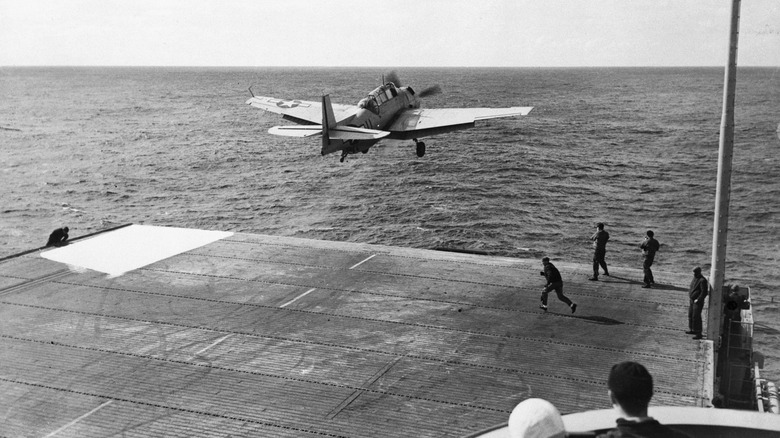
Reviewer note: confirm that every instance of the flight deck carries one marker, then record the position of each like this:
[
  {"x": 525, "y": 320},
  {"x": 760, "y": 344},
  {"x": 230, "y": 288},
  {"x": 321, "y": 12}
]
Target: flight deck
[{"x": 258, "y": 335}]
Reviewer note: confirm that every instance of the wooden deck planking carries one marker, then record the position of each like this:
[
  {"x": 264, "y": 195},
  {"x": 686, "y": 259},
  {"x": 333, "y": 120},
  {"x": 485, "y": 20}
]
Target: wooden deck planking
[{"x": 371, "y": 341}]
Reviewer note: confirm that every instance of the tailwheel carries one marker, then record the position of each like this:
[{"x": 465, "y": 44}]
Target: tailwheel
[
  {"x": 343, "y": 156},
  {"x": 420, "y": 148}
]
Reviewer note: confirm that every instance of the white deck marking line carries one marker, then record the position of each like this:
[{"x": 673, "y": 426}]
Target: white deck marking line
[
  {"x": 369, "y": 258},
  {"x": 79, "y": 419},
  {"x": 298, "y": 297},
  {"x": 213, "y": 344}
]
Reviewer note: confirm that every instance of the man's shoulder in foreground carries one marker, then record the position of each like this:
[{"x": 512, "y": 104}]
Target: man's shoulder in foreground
[{"x": 648, "y": 428}]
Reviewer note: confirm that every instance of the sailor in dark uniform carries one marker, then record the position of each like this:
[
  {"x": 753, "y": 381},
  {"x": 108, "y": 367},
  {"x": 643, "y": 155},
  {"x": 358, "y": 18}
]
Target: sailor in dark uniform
[
  {"x": 58, "y": 237},
  {"x": 649, "y": 247},
  {"x": 697, "y": 293},
  {"x": 554, "y": 282},
  {"x": 599, "y": 238}
]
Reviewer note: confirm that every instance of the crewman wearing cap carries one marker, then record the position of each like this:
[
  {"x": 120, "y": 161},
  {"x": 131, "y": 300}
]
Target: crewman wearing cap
[{"x": 697, "y": 292}]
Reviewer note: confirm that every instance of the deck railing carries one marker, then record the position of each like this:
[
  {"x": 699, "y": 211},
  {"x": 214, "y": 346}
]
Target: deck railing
[{"x": 737, "y": 378}]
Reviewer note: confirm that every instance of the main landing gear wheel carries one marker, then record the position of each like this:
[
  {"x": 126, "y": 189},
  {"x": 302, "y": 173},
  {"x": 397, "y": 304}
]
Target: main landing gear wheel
[{"x": 420, "y": 148}]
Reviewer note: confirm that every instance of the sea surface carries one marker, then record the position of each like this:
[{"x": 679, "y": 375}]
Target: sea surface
[{"x": 635, "y": 148}]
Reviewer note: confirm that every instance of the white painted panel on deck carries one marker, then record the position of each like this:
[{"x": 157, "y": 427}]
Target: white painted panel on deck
[{"x": 132, "y": 247}]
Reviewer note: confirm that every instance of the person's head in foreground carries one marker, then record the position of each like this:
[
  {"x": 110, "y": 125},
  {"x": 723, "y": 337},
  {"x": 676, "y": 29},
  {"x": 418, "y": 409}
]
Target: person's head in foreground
[
  {"x": 536, "y": 418},
  {"x": 630, "y": 389}
]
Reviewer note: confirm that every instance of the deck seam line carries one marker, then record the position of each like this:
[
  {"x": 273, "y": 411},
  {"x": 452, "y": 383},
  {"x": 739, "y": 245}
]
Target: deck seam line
[
  {"x": 263, "y": 306},
  {"x": 227, "y": 277},
  {"x": 387, "y": 252},
  {"x": 524, "y": 263},
  {"x": 516, "y": 263},
  {"x": 432, "y": 300},
  {"x": 34, "y": 282},
  {"x": 351, "y": 348},
  {"x": 661, "y": 286},
  {"x": 173, "y": 408},
  {"x": 334, "y": 385},
  {"x": 412, "y": 324},
  {"x": 293, "y": 379}
]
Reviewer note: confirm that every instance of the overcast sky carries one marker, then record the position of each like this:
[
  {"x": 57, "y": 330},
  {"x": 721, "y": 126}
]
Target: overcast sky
[{"x": 399, "y": 33}]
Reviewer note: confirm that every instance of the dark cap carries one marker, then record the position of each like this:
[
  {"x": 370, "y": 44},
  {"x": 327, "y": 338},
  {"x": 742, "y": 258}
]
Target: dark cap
[
  {"x": 600, "y": 225},
  {"x": 545, "y": 260},
  {"x": 697, "y": 269},
  {"x": 630, "y": 380}
]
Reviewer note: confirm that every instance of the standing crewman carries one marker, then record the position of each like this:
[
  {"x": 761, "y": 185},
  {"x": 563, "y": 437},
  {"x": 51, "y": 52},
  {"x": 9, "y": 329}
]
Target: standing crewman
[
  {"x": 697, "y": 293},
  {"x": 649, "y": 247},
  {"x": 599, "y": 238},
  {"x": 554, "y": 282}
]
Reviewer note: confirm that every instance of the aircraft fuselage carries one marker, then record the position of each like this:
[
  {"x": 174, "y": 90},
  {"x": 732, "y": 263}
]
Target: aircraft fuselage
[{"x": 376, "y": 111}]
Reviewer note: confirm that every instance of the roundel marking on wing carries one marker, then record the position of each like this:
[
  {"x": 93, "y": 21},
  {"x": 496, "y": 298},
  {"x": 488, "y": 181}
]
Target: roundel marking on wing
[{"x": 288, "y": 103}]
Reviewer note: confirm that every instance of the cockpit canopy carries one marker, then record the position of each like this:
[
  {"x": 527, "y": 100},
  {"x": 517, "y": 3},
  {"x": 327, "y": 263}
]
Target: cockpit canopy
[
  {"x": 388, "y": 90},
  {"x": 370, "y": 104},
  {"x": 378, "y": 96}
]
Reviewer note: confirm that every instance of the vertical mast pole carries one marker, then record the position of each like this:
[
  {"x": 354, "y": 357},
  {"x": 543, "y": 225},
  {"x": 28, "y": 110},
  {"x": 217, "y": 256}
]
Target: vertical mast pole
[{"x": 723, "y": 193}]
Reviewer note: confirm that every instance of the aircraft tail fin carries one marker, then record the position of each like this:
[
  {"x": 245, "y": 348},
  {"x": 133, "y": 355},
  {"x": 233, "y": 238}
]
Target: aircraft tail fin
[
  {"x": 334, "y": 136},
  {"x": 328, "y": 123},
  {"x": 328, "y": 118}
]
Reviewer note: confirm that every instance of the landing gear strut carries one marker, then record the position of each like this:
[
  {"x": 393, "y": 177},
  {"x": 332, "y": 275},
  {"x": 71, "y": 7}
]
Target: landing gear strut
[{"x": 420, "y": 148}]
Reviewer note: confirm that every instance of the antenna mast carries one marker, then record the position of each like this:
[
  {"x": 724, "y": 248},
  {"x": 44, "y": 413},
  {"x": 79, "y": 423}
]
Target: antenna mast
[{"x": 723, "y": 193}]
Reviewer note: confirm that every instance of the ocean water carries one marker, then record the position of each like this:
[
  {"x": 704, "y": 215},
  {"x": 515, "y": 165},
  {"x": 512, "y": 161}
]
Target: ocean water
[{"x": 635, "y": 148}]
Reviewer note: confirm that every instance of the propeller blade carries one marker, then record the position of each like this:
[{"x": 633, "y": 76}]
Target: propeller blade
[
  {"x": 393, "y": 77},
  {"x": 430, "y": 91}
]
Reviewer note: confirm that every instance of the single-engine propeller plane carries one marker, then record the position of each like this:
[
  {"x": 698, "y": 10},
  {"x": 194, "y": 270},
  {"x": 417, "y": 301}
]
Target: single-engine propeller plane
[{"x": 390, "y": 111}]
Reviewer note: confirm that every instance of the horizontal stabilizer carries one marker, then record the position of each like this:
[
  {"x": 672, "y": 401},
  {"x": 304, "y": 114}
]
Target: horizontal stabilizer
[
  {"x": 351, "y": 133},
  {"x": 296, "y": 131}
]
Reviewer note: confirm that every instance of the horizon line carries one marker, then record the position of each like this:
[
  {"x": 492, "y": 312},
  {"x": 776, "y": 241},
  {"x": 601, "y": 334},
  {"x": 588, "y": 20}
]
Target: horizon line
[{"x": 364, "y": 66}]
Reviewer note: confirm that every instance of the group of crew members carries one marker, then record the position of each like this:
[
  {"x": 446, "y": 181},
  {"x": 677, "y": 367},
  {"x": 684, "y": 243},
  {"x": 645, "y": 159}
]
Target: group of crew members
[{"x": 697, "y": 292}]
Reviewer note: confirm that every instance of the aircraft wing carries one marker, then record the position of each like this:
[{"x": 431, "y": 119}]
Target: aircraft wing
[
  {"x": 300, "y": 111},
  {"x": 415, "y": 123}
]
